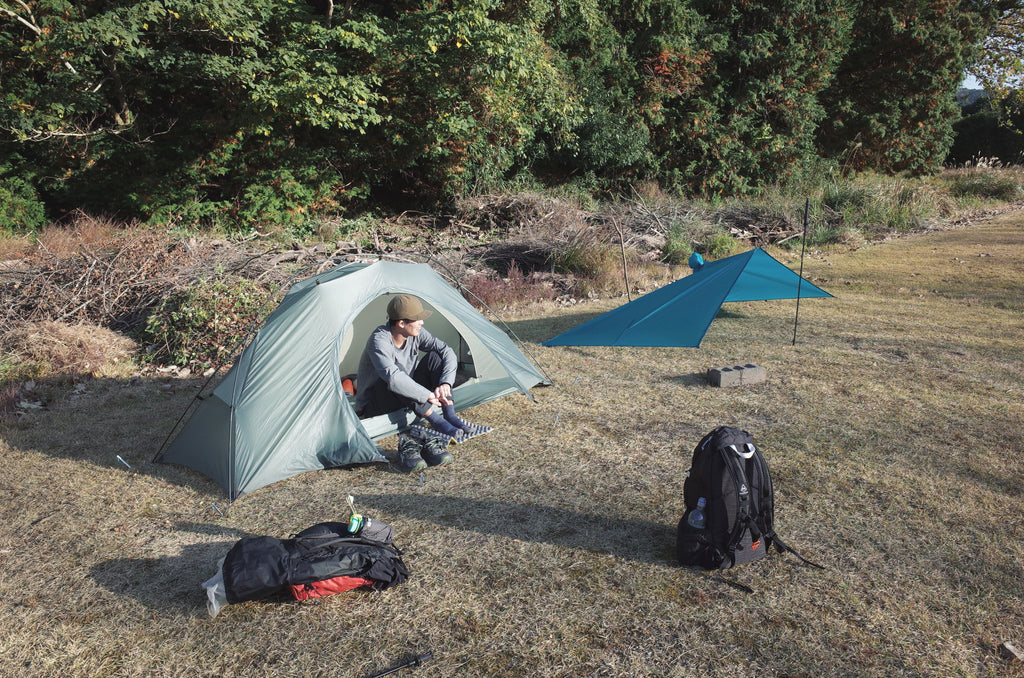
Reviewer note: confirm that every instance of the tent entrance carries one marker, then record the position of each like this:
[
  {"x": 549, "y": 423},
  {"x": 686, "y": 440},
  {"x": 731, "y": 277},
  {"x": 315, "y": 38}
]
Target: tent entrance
[{"x": 353, "y": 343}]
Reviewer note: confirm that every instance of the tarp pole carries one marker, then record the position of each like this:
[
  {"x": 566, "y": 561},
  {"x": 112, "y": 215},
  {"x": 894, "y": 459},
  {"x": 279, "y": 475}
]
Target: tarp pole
[{"x": 800, "y": 280}]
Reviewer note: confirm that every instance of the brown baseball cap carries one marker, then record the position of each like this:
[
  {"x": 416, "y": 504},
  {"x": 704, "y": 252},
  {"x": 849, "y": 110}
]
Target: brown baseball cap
[{"x": 407, "y": 307}]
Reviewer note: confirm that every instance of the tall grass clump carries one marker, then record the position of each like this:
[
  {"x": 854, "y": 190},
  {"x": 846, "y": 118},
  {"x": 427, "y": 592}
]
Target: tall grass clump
[
  {"x": 848, "y": 209},
  {"x": 596, "y": 265},
  {"x": 48, "y": 349},
  {"x": 693, "y": 232},
  {"x": 901, "y": 206},
  {"x": 986, "y": 179},
  {"x": 720, "y": 244},
  {"x": 845, "y": 198},
  {"x": 677, "y": 248}
]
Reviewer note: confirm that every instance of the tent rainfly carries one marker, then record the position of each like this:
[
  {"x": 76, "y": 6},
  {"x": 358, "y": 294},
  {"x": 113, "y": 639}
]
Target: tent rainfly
[
  {"x": 281, "y": 410},
  {"x": 680, "y": 313}
]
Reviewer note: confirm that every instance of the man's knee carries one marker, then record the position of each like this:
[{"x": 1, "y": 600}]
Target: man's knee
[
  {"x": 429, "y": 372},
  {"x": 381, "y": 400}
]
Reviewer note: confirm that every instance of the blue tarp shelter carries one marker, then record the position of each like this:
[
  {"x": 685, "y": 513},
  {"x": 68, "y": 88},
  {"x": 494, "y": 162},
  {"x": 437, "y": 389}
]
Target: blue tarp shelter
[{"x": 680, "y": 313}]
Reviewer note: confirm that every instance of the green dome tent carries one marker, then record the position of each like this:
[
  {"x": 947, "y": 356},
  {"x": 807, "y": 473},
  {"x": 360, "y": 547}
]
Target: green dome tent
[
  {"x": 680, "y": 313},
  {"x": 281, "y": 409}
]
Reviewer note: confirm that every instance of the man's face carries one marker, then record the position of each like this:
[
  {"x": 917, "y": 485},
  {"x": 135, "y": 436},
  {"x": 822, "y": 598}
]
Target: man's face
[{"x": 410, "y": 328}]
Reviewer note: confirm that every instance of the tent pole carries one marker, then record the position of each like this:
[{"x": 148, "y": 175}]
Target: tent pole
[{"x": 800, "y": 280}]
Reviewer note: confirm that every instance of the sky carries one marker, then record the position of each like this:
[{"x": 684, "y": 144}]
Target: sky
[{"x": 970, "y": 82}]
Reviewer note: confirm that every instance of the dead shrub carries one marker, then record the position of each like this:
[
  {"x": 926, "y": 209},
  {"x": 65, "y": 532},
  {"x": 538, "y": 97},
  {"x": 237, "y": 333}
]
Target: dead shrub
[
  {"x": 599, "y": 263},
  {"x": 79, "y": 277},
  {"x": 59, "y": 349},
  {"x": 578, "y": 252},
  {"x": 528, "y": 227},
  {"x": 81, "y": 231},
  {"x": 515, "y": 288},
  {"x": 527, "y": 216}
]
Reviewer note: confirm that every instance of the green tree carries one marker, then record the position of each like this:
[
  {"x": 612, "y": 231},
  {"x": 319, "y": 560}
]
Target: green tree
[
  {"x": 748, "y": 111},
  {"x": 891, "y": 106},
  {"x": 261, "y": 112},
  {"x": 155, "y": 107},
  {"x": 600, "y": 50},
  {"x": 999, "y": 66},
  {"x": 990, "y": 132},
  {"x": 471, "y": 87}
]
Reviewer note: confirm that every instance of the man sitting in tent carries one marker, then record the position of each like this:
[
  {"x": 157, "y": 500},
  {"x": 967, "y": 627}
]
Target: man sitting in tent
[{"x": 389, "y": 379}]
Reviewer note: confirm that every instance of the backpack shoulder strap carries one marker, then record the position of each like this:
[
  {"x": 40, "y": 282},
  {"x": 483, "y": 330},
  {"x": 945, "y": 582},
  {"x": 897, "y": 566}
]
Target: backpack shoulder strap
[
  {"x": 764, "y": 511},
  {"x": 766, "y": 521},
  {"x": 744, "y": 519},
  {"x": 783, "y": 548}
]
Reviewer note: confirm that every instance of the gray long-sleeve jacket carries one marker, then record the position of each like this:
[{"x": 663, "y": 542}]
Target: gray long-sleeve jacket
[{"x": 383, "y": 361}]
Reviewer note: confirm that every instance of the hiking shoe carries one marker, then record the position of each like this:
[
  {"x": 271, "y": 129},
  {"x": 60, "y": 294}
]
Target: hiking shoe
[
  {"x": 435, "y": 451},
  {"x": 409, "y": 459}
]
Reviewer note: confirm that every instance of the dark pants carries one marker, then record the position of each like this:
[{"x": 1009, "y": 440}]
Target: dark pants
[{"x": 382, "y": 400}]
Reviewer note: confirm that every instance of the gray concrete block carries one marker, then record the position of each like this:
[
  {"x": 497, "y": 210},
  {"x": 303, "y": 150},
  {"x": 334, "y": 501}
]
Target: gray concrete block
[{"x": 737, "y": 375}]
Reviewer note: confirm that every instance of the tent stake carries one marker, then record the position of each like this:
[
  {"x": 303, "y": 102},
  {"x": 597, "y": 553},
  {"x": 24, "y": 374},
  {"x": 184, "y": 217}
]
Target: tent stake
[
  {"x": 800, "y": 280},
  {"x": 415, "y": 661}
]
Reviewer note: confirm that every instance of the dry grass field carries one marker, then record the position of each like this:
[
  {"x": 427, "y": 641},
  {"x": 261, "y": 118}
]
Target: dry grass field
[{"x": 894, "y": 428}]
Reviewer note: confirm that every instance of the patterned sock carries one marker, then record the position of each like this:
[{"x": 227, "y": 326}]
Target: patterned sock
[
  {"x": 440, "y": 425},
  {"x": 452, "y": 418}
]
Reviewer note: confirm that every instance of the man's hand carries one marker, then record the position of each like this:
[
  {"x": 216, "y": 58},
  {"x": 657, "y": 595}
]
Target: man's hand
[{"x": 443, "y": 395}]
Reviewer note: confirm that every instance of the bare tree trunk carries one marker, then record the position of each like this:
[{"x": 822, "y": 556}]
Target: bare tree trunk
[{"x": 622, "y": 249}]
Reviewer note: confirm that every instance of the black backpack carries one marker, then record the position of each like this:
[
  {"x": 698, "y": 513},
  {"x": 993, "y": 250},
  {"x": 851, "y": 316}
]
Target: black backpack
[
  {"x": 730, "y": 473},
  {"x": 258, "y": 567}
]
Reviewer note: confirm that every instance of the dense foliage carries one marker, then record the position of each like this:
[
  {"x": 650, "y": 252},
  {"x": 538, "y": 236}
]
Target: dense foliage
[
  {"x": 890, "y": 106},
  {"x": 1000, "y": 64},
  {"x": 205, "y": 323},
  {"x": 751, "y": 115},
  {"x": 266, "y": 112},
  {"x": 990, "y": 131}
]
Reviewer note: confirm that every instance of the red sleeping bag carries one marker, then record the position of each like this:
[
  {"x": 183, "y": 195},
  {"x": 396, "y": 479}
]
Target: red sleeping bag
[{"x": 327, "y": 587}]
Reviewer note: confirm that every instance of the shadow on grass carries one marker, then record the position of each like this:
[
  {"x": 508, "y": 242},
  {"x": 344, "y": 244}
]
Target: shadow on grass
[
  {"x": 169, "y": 584},
  {"x": 692, "y": 379},
  {"x": 643, "y": 541},
  {"x": 539, "y": 330}
]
